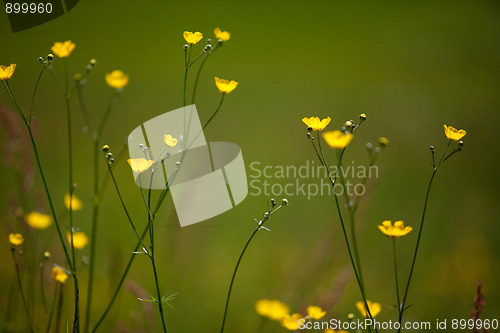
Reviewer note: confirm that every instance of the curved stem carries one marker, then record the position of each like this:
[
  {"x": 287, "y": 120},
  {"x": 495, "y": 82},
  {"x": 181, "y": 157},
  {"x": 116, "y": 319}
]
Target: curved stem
[
  {"x": 21, "y": 289},
  {"x": 34, "y": 93}
]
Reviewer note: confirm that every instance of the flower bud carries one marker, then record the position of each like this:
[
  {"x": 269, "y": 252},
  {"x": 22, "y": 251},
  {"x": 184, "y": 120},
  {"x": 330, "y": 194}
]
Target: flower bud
[
  {"x": 186, "y": 47},
  {"x": 93, "y": 62},
  {"x": 50, "y": 57},
  {"x": 273, "y": 202},
  {"x": 284, "y": 202},
  {"x": 40, "y": 59},
  {"x": 460, "y": 143},
  {"x": 105, "y": 148},
  {"x": 46, "y": 255},
  {"x": 383, "y": 141},
  {"x": 362, "y": 117}
]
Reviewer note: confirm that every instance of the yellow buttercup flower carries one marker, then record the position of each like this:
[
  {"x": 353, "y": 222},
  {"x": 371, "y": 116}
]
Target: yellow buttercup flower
[
  {"x": 453, "y": 134},
  {"x": 225, "y": 86},
  {"x": 59, "y": 274},
  {"x": 169, "y": 140},
  {"x": 315, "y": 123},
  {"x": 291, "y": 322},
  {"x": 16, "y": 239},
  {"x": 38, "y": 220},
  {"x": 337, "y": 139},
  {"x": 272, "y": 309},
  {"x": 373, "y": 306},
  {"x": 315, "y": 312},
  {"x": 76, "y": 203},
  {"x": 224, "y": 35},
  {"x": 192, "y": 38},
  {"x": 63, "y": 50},
  {"x": 383, "y": 141},
  {"x": 397, "y": 230},
  {"x": 80, "y": 239},
  {"x": 140, "y": 164},
  {"x": 117, "y": 79},
  {"x": 6, "y": 72}
]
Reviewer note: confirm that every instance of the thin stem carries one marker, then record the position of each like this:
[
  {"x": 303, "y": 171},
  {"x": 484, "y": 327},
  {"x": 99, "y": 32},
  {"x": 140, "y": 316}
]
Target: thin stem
[
  {"x": 185, "y": 78},
  {"x": 42, "y": 288},
  {"x": 21, "y": 289},
  {"x": 34, "y": 93},
  {"x": 195, "y": 86},
  {"x": 53, "y": 306},
  {"x": 111, "y": 104},
  {"x": 396, "y": 273}
]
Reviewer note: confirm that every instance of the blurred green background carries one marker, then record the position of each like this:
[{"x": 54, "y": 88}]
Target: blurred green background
[{"x": 411, "y": 66}]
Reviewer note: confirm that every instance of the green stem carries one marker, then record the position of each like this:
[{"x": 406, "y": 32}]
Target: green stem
[
  {"x": 396, "y": 273},
  {"x": 195, "y": 86},
  {"x": 53, "y": 306},
  {"x": 34, "y": 93},
  {"x": 21, "y": 289},
  {"x": 111, "y": 104},
  {"x": 185, "y": 78}
]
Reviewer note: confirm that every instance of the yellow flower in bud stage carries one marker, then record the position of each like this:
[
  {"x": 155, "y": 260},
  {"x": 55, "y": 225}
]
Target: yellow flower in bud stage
[
  {"x": 373, "y": 306},
  {"x": 16, "y": 239},
  {"x": 117, "y": 79},
  {"x": 224, "y": 35},
  {"x": 315, "y": 123},
  {"x": 140, "y": 164},
  {"x": 453, "y": 134},
  {"x": 6, "y": 72},
  {"x": 192, "y": 38},
  {"x": 225, "y": 86},
  {"x": 315, "y": 312},
  {"x": 38, "y": 220},
  {"x": 59, "y": 274},
  {"x": 63, "y": 50},
  {"x": 76, "y": 204},
  {"x": 291, "y": 322},
  {"x": 169, "y": 140},
  {"x": 337, "y": 139},
  {"x": 397, "y": 230},
  {"x": 383, "y": 141},
  {"x": 80, "y": 239},
  {"x": 272, "y": 309}
]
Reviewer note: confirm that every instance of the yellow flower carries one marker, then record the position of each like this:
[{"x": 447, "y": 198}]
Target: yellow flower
[
  {"x": 315, "y": 123},
  {"x": 397, "y": 230},
  {"x": 337, "y": 139},
  {"x": 383, "y": 141},
  {"x": 225, "y": 86},
  {"x": 140, "y": 164},
  {"x": 37, "y": 220},
  {"x": 59, "y": 274},
  {"x": 76, "y": 204},
  {"x": 453, "y": 134},
  {"x": 169, "y": 140},
  {"x": 224, "y": 35},
  {"x": 192, "y": 38},
  {"x": 6, "y": 72},
  {"x": 16, "y": 239},
  {"x": 272, "y": 309},
  {"x": 291, "y": 322},
  {"x": 117, "y": 79},
  {"x": 374, "y": 308},
  {"x": 329, "y": 330},
  {"x": 63, "y": 50},
  {"x": 80, "y": 239},
  {"x": 315, "y": 312}
]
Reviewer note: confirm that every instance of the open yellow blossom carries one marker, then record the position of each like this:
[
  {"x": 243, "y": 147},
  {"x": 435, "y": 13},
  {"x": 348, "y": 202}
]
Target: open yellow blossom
[
  {"x": 6, "y": 72},
  {"x": 272, "y": 309},
  {"x": 76, "y": 203},
  {"x": 315, "y": 123},
  {"x": 16, "y": 239},
  {"x": 453, "y": 134},
  {"x": 225, "y": 86},
  {"x": 224, "y": 35},
  {"x": 140, "y": 164},
  {"x": 117, "y": 79},
  {"x": 337, "y": 139},
  {"x": 59, "y": 274},
  {"x": 315, "y": 312},
  {"x": 397, "y": 230},
  {"x": 373, "y": 306},
  {"x": 291, "y": 322},
  {"x": 192, "y": 38},
  {"x": 169, "y": 140},
  {"x": 80, "y": 239},
  {"x": 63, "y": 50},
  {"x": 38, "y": 220}
]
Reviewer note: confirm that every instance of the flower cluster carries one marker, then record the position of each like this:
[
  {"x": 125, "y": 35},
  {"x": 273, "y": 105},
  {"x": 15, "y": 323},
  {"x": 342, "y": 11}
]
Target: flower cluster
[{"x": 279, "y": 311}]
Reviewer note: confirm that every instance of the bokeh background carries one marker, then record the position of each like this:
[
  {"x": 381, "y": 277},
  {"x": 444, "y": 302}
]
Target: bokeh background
[{"x": 410, "y": 66}]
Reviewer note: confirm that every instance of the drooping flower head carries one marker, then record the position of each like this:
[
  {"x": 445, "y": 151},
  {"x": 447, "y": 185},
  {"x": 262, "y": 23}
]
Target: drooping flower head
[
  {"x": 225, "y": 86},
  {"x": 397, "y": 230},
  {"x": 223, "y": 35},
  {"x": 140, "y": 164},
  {"x": 6, "y": 72},
  {"x": 63, "y": 50},
  {"x": 117, "y": 79},
  {"x": 373, "y": 306},
  {"x": 38, "y": 220},
  {"x": 291, "y": 322},
  {"x": 16, "y": 239},
  {"x": 315, "y": 312},
  {"x": 80, "y": 239},
  {"x": 453, "y": 134},
  {"x": 169, "y": 140},
  {"x": 76, "y": 204},
  {"x": 59, "y": 274},
  {"x": 272, "y": 308},
  {"x": 315, "y": 123},
  {"x": 337, "y": 139},
  {"x": 192, "y": 38}
]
